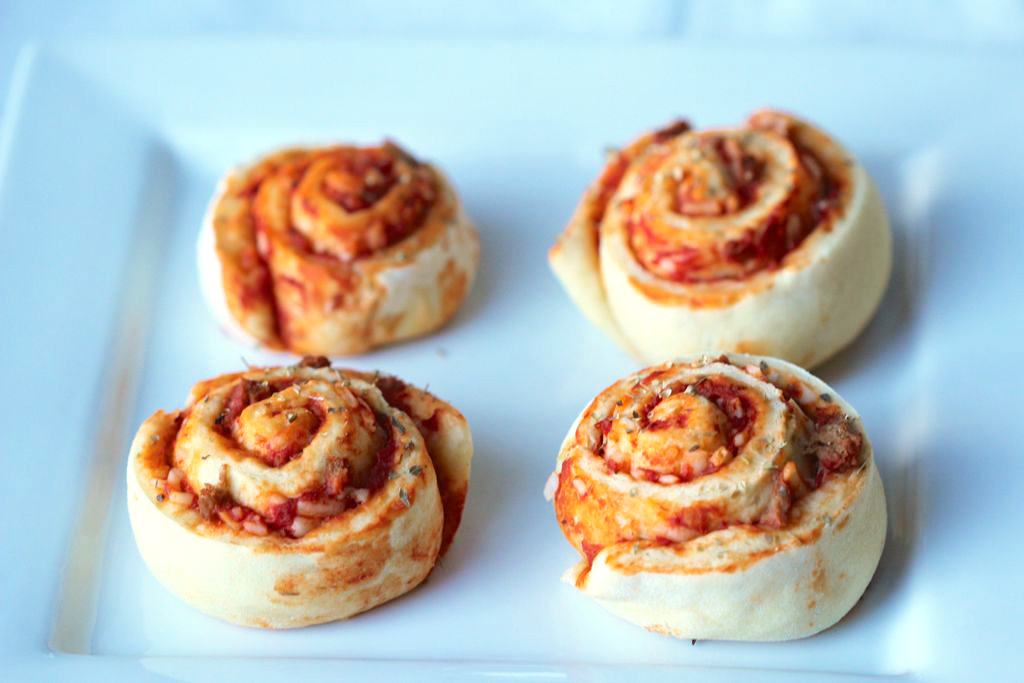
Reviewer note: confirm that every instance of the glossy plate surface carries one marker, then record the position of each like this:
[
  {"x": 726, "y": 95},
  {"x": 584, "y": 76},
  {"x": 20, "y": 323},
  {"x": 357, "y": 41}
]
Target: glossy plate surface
[{"x": 109, "y": 154}]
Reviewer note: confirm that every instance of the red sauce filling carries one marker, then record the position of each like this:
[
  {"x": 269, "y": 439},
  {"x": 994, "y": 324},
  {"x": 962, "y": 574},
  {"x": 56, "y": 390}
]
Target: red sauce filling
[
  {"x": 590, "y": 550},
  {"x": 396, "y": 392},
  {"x": 432, "y": 423},
  {"x": 648, "y": 474},
  {"x": 280, "y": 516},
  {"x": 731, "y": 400},
  {"x": 675, "y": 421},
  {"x": 701, "y": 518},
  {"x": 383, "y": 466},
  {"x": 393, "y": 389}
]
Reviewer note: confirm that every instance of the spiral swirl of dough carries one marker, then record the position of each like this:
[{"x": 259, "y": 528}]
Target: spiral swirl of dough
[
  {"x": 766, "y": 238},
  {"x": 317, "y": 492},
  {"x": 336, "y": 250},
  {"x": 690, "y": 487}
]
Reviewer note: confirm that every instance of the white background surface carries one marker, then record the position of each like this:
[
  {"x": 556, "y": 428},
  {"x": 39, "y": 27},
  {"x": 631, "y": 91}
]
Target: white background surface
[
  {"x": 103, "y": 143},
  {"x": 942, "y": 25}
]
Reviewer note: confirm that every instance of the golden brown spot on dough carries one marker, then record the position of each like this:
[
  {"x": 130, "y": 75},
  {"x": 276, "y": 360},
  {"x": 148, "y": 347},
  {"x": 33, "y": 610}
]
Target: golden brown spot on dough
[
  {"x": 388, "y": 324},
  {"x": 810, "y": 537},
  {"x": 358, "y": 562},
  {"x": 695, "y": 297},
  {"x": 581, "y": 578},
  {"x": 621, "y": 561},
  {"x": 420, "y": 551},
  {"x": 819, "y": 579},
  {"x": 756, "y": 348},
  {"x": 289, "y": 585},
  {"x": 373, "y": 595},
  {"x": 360, "y": 598},
  {"x": 842, "y": 522},
  {"x": 453, "y": 284},
  {"x": 812, "y": 604},
  {"x": 739, "y": 565},
  {"x": 274, "y": 544},
  {"x": 154, "y": 453},
  {"x": 662, "y": 630}
]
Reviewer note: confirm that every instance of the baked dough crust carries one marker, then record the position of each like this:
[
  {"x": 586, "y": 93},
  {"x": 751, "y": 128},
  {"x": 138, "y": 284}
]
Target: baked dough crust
[
  {"x": 736, "y": 275},
  {"x": 405, "y": 456},
  {"x": 771, "y": 543},
  {"x": 291, "y": 257}
]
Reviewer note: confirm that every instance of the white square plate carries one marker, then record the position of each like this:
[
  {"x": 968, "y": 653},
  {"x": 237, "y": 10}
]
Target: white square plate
[{"x": 109, "y": 153}]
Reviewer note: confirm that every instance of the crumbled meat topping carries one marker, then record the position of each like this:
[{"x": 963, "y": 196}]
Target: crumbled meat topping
[
  {"x": 213, "y": 498},
  {"x": 837, "y": 445},
  {"x": 336, "y": 476},
  {"x": 776, "y": 515}
]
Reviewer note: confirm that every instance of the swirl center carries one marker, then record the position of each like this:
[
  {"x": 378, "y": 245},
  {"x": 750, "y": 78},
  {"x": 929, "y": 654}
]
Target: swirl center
[
  {"x": 721, "y": 177},
  {"x": 356, "y": 183},
  {"x": 351, "y": 201},
  {"x": 686, "y": 436},
  {"x": 276, "y": 430}
]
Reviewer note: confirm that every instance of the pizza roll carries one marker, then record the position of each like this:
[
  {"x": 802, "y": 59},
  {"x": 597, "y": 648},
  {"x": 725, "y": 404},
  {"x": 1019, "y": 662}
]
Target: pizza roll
[
  {"x": 724, "y": 498},
  {"x": 290, "y": 496},
  {"x": 769, "y": 239},
  {"x": 335, "y": 250}
]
